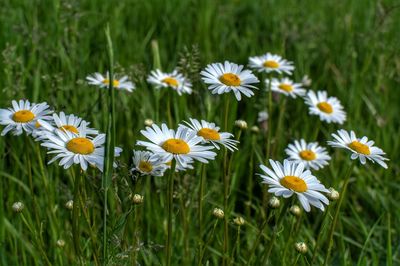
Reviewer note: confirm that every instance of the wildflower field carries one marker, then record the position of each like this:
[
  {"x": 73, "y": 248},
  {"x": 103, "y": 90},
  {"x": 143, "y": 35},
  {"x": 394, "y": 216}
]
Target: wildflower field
[{"x": 208, "y": 132}]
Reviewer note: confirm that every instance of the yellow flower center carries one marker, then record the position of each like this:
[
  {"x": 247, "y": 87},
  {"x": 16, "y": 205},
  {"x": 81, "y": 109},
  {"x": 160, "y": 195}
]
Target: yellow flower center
[
  {"x": 176, "y": 146},
  {"x": 107, "y": 82},
  {"x": 209, "y": 134},
  {"x": 325, "y": 107},
  {"x": 171, "y": 82},
  {"x": 145, "y": 166},
  {"x": 271, "y": 64},
  {"x": 81, "y": 146},
  {"x": 69, "y": 128},
  {"x": 230, "y": 79},
  {"x": 294, "y": 183},
  {"x": 285, "y": 87},
  {"x": 307, "y": 155},
  {"x": 23, "y": 116},
  {"x": 359, "y": 147}
]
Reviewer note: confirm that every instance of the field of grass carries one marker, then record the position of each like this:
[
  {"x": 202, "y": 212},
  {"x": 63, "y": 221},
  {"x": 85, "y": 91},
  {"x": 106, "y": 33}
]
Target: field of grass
[{"x": 349, "y": 48}]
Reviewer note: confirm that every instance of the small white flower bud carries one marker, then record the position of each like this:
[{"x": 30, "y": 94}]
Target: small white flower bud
[
  {"x": 148, "y": 122},
  {"x": 60, "y": 243},
  {"x": 18, "y": 206},
  {"x": 306, "y": 81},
  {"x": 218, "y": 213},
  {"x": 241, "y": 124},
  {"x": 295, "y": 210},
  {"x": 333, "y": 194},
  {"x": 274, "y": 202},
  {"x": 69, "y": 204},
  {"x": 137, "y": 199},
  {"x": 239, "y": 221},
  {"x": 301, "y": 247},
  {"x": 255, "y": 129}
]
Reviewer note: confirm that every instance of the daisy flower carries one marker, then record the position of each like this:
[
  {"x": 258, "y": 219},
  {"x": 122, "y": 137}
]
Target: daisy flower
[
  {"x": 271, "y": 63},
  {"x": 23, "y": 116},
  {"x": 327, "y": 108},
  {"x": 227, "y": 77},
  {"x": 182, "y": 145},
  {"x": 103, "y": 82},
  {"x": 148, "y": 163},
  {"x": 210, "y": 133},
  {"x": 291, "y": 178},
  {"x": 360, "y": 148},
  {"x": 311, "y": 154},
  {"x": 77, "y": 148},
  {"x": 174, "y": 80},
  {"x": 286, "y": 86},
  {"x": 63, "y": 122}
]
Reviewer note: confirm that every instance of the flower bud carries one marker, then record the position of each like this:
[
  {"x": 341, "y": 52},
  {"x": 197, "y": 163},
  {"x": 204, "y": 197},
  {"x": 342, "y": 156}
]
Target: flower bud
[
  {"x": 306, "y": 81},
  {"x": 69, "y": 204},
  {"x": 255, "y": 129},
  {"x": 60, "y": 243},
  {"x": 218, "y": 213},
  {"x": 333, "y": 194},
  {"x": 295, "y": 210},
  {"x": 18, "y": 206},
  {"x": 274, "y": 202},
  {"x": 241, "y": 124},
  {"x": 148, "y": 122},
  {"x": 301, "y": 247},
  {"x": 137, "y": 199},
  {"x": 239, "y": 221}
]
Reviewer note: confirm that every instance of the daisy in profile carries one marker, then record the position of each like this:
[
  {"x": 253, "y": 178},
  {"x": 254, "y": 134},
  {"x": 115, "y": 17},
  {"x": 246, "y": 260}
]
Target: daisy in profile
[
  {"x": 227, "y": 77},
  {"x": 182, "y": 145},
  {"x": 311, "y": 154},
  {"x": 327, "y": 108},
  {"x": 174, "y": 80},
  {"x": 23, "y": 116},
  {"x": 361, "y": 148},
  {"x": 291, "y": 178},
  {"x": 77, "y": 148},
  {"x": 98, "y": 79},
  {"x": 62, "y": 122},
  {"x": 210, "y": 133},
  {"x": 286, "y": 86},
  {"x": 148, "y": 163},
  {"x": 271, "y": 63}
]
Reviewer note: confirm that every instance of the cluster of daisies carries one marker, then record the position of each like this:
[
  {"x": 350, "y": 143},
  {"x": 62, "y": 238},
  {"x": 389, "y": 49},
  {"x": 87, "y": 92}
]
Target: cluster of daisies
[{"x": 67, "y": 137}]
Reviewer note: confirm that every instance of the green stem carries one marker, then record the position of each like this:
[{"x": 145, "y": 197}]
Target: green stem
[
  {"x": 269, "y": 104},
  {"x": 278, "y": 133},
  {"x": 170, "y": 193},
  {"x": 288, "y": 241},
  {"x": 319, "y": 237},
  {"x": 257, "y": 241},
  {"x": 75, "y": 216},
  {"x": 337, "y": 210},
  {"x": 208, "y": 242},
  {"x": 200, "y": 207}
]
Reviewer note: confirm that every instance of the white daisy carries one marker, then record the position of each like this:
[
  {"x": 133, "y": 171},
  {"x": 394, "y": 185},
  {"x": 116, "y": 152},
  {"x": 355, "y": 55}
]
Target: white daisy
[
  {"x": 103, "y": 82},
  {"x": 63, "y": 122},
  {"x": 227, "y": 77},
  {"x": 148, "y": 163},
  {"x": 327, "y": 108},
  {"x": 182, "y": 145},
  {"x": 311, "y": 154},
  {"x": 210, "y": 133},
  {"x": 291, "y": 178},
  {"x": 74, "y": 148},
  {"x": 360, "y": 148},
  {"x": 174, "y": 80},
  {"x": 23, "y": 116},
  {"x": 271, "y": 63},
  {"x": 286, "y": 86}
]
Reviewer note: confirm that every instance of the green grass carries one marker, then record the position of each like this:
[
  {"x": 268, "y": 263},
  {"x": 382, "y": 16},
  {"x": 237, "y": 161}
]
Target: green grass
[{"x": 349, "y": 48}]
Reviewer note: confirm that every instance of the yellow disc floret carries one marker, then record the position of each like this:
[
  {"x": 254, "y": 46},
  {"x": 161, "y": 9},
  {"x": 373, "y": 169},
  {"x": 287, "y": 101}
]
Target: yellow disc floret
[
  {"x": 23, "y": 116},
  {"x": 294, "y": 183},
  {"x": 209, "y": 134},
  {"x": 325, "y": 107},
  {"x": 307, "y": 155},
  {"x": 286, "y": 87},
  {"x": 107, "y": 82},
  {"x": 69, "y": 128},
  {"x": 359, "y": 147},
  {"x": 80, "y": 146},
  {"x": 176, "y": 146},
  {"x": 230, "y": 79},
  {"x": 171, "y": 82},
  {"x": 271, "y": 64},
  {"x": 145, "y": 166}
]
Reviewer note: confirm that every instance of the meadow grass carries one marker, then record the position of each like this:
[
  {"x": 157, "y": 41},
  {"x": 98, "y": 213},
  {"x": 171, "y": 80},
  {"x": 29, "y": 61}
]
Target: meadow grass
[{"x": 349, "y": 48}]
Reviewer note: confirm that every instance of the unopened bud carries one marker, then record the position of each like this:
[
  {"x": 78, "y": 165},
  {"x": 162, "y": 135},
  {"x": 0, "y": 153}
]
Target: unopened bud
[
  {"x": 301, "y": 247},
  {"x": 148, "y": 122},
  {"x": 306, "y": 81},
  {"x": 238, "y": 221},
  {"x": 60, "y": 243},
  {"x": 295, "y": 210},
  {"x": 255, "y": 129},
  {"x": 241, "y": 124},
  {"x": 18, "y": 206},
  {"x": 333, "y": 194},
  {"x": 274, "y": 202},
  {"x": 69, "y": 204},
  {"x": 137, "y": 199},
  {"x": 218, "y": 213}
]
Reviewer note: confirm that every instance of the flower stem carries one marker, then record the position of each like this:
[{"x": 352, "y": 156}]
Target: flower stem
[
  {"x": 75, "y": 216},
  {"x": 170, "y": 193},
  {"x": 200, "y": 207},
  {"x": 257, "y": 241},
  {"x": 336, "y": 215},
  {"x": 319, "y": 237},
  {"x": 269, "y": 104},
  {"x": 208, "y": 242}
]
